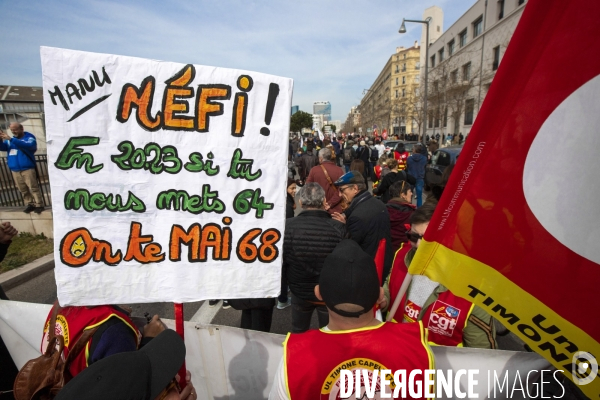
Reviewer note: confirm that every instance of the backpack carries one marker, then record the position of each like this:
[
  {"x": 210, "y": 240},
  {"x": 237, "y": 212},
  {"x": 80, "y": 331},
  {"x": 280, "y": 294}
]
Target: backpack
[
  {"x": 348, "y": 155},
  {"x": 374, "y": 155},
  {"x": 43, "y": 377}
]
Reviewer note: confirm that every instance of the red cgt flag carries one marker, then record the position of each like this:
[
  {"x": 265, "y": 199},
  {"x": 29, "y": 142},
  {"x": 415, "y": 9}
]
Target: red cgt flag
[{"x": 517, "y": 230}]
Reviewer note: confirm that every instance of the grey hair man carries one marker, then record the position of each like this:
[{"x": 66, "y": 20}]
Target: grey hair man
[
  {"x": 309, "y": 238},
  {"x": 325, "y": 174},
  {"x": 325, "y": 155},
  {"x": 366, "y": 218}
]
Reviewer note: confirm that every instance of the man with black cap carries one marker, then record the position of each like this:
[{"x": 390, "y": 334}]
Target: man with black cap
[
  {"x": 353, "y": 339},
  {"x": 366, "y": 218},
  {"x": 144, "y": 374}
]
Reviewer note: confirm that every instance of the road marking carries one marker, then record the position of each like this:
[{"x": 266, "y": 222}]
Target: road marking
[{"x": 206, "y": 314}]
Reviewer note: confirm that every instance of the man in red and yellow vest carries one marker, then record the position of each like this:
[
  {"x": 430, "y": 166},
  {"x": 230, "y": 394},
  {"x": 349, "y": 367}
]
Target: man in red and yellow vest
[
  {"x": 401, "y": 155},
  {"x": 115, "y": 333},
  {"x": 353, "y": 339},
  {"x": 451, "y": 320}
]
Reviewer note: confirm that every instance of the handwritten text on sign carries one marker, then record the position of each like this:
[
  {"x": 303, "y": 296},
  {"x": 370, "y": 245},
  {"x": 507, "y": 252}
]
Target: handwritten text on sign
[{"x": 168, "y": 180}]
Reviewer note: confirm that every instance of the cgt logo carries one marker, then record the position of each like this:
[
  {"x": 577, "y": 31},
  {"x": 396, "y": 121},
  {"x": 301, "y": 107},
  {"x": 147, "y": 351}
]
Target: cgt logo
[
  {"x": 411, "y": 312},
  {"x": 585, "y": 368},
  {"x": 443, "y": 318}
]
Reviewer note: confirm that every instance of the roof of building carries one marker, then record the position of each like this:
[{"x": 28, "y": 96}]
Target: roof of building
[{"x": 21, "y": 93}]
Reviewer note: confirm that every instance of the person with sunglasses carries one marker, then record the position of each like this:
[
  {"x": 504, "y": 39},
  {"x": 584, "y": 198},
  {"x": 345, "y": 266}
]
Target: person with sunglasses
[{"x": 451, "y": 320}]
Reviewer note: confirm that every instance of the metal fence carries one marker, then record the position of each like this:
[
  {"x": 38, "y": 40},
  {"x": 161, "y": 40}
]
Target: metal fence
[{"x": 10, "y": 196}]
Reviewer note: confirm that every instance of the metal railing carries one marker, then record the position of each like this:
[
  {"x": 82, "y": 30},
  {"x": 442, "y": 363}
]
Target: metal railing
[{"x": 10, "y": 196}]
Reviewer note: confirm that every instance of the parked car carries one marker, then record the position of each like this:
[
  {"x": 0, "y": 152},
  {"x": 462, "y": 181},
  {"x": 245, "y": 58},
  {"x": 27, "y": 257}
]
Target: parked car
[
  {"x": 440, "y": 160},
  {"x": 389, "y": 145},
  {"x": 408, "y": 146}
]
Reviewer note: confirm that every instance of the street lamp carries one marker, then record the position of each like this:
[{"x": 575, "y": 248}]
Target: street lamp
[{"x": 403, "y": 30}]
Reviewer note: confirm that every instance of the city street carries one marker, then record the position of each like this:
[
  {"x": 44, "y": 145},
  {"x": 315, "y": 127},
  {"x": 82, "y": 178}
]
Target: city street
[{"x": 42, "y": 289}]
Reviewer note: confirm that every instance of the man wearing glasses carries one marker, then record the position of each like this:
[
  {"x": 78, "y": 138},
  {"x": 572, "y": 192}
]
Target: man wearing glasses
[
  {"x": 366, "y": 218},
  {"x": 451, "y": 320}
]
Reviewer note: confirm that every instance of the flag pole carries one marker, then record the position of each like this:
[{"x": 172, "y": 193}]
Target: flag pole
[
  {"x": 399, "y": 296},
  {"x": 179, "y": 329}
]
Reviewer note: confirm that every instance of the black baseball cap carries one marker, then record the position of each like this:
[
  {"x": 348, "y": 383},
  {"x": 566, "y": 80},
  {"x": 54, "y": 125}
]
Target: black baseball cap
[
  {"x": 349, "y": 276},
  {"x": 132, "y": 375}
]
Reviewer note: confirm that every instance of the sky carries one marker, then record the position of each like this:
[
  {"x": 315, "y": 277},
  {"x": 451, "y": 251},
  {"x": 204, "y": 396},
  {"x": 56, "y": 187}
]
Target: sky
[{"x": 333, "y": 49}]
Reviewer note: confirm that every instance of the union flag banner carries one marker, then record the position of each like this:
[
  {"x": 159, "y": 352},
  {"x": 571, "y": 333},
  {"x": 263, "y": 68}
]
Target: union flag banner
[{"x": 517, "y": 230}]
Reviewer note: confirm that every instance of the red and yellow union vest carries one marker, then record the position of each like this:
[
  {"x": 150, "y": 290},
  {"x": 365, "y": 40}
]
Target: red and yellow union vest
[
  {"x": 401, "y": 157},
  {"x": 72, "y": 321},
  {"x": 445, "y": 319},
  {"x": 313, "y": 359},
  {"x": 397, "y": 275}
]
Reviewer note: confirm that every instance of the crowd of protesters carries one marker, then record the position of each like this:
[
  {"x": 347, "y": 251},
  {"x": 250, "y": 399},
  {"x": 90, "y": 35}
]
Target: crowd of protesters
[
  {"x": 336, "y": 226},
  {"x": 328, "y": 260}
]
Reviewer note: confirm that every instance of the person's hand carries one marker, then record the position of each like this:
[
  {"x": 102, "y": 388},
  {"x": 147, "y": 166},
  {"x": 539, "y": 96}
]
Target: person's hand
[
  {"x": 154, "y": 327},
  {"x": 382, "y": 303},
  {"x": 3, "y": 135},
  {"x": 327, "y": 206},
  {"x": 339, "y": 217},
  {"x": 189, "y": 393},
  {"x": 7, "y": 232}
]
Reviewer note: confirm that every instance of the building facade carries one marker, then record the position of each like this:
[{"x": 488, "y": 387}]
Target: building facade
[
  {"x": 352, "y": 122},
  {"x": 463, "y": 62},
  {"x": 388, "y": 103},
  {"x": 295, "y": 109},
  {"x": 24, "y": 104},
  {"x": 318, "y": 121},
  {"x": 322, "y": 108}
]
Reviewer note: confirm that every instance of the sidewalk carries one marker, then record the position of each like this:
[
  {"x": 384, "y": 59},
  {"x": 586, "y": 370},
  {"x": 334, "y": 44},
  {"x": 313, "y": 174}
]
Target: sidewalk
[{"x": 17, "y": 276}]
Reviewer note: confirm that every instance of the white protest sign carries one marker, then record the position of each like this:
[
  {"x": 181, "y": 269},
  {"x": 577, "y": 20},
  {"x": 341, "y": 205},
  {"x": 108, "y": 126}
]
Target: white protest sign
[{"x": 168, "y": 180}]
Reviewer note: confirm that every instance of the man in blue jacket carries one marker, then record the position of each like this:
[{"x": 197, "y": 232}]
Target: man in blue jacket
[
  {"x": 416, "y": 167},
  {"x": 21, "y": 148}
]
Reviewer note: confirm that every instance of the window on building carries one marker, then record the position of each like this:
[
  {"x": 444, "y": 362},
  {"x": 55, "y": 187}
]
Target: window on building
[
  {"x": 436, "y": 86},
  {"x": 500, "y": 9},
  {"x": 396, "y": 81},
  {"x": 404, "y": 67},
  {"x": 496, "y": 58},
  {"x": 477, "y": 27},
  {"x": 437, "y": 119},
  {"x": 418, "y": 65},
  {"x": 466, "y": 71},
  {"x": 397, "y": 68},
  {"x": 417, "y": 92},
  {"x": 397, "y": 94},
  {"x": 403, "y": 107},
  {"x": 417, "y": 79},
  {"x": 405, "y": 56},
  {"x": 441, "y": 54},
  {"x": 450, "y": 48},
  {"x": 454, "y": 76},
  {"x": 433, "y": 61},
  {"x": 469, "y": 108},
  {"x": 403, "y": 92},
  {"x": 462, "y": 38},
  {"x": 22, "y": 107},
  {"x": 403, "y": 80},
  {"x": 430, "y": 121}
]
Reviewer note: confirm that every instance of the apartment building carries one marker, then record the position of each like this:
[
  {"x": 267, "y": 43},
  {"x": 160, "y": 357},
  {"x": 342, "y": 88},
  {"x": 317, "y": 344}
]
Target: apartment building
[
  {"x": 389, "y": 103},
  {"x": 463, "y": 62}
]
